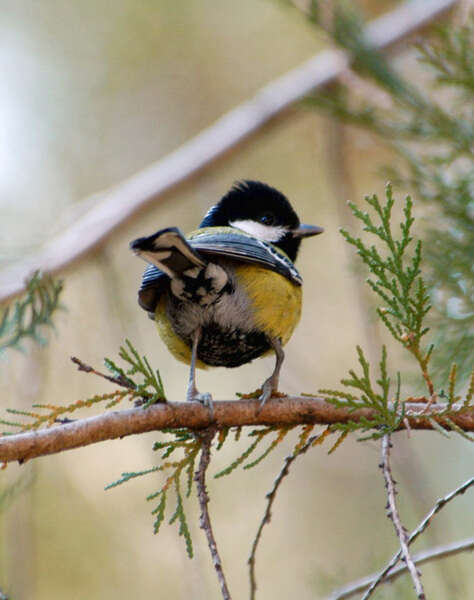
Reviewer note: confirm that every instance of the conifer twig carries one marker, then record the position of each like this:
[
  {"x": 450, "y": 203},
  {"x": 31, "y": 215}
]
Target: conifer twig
[
  {"x": 418, "y": 531},
  {"x": 206, "y": 438},
  {"x": 268, "y": 510},
  {"x": 420, "y": 558},
  {"x": 392, "y": 512},
  {"x": 118, "y": 379}
]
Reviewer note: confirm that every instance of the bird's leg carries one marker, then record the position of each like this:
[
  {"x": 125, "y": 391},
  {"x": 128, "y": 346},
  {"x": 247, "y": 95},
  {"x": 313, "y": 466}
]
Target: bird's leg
[
  {"x": 193, "y": 394},
  {"x": 271, "y": 384}
]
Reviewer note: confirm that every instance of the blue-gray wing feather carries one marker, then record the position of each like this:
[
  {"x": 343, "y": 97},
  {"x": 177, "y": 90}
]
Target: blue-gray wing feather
[{"x": 246, "y": 249}]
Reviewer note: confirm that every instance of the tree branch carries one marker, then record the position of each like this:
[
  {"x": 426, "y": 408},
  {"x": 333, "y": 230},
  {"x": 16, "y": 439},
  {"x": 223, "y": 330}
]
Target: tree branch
[
  {"x": 422, "y": 557},
  {"x": 116, "y": 206},
  {"x": 418, "y": 531},
  {"x": 268, "y": 510},
  {"x": 206, "y": 437},
  {"x": 393, "y": 515},
  {"x": 296, "y": 410}
]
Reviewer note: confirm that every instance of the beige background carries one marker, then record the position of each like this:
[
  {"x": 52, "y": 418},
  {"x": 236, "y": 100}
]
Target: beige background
[{"x": 95, "y": 91}]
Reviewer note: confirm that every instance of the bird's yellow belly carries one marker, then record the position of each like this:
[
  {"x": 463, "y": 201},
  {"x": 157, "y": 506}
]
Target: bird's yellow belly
[{"x": 276, "y": 301}]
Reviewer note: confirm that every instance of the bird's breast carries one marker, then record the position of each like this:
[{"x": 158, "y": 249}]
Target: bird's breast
[{"x": 238, "y": 308}]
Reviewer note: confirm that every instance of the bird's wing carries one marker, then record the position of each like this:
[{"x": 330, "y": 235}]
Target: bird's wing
[
  {"x": 169, "y": 255},
  {"x": 244, "y": 248},
  {"x": 168, "y": 250},
  {"x": 154, "y": 283},
  {"x": 174, "y": 254}
]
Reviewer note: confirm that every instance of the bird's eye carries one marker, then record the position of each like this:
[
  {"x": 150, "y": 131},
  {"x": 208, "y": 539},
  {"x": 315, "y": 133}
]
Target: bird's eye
[{"x": 267, "y": 218}]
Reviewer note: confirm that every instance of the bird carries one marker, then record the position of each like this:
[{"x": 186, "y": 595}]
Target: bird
[{"x": 228, "y": 292}]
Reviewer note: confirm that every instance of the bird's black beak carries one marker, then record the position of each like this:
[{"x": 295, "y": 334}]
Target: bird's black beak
[{"x": 306, "y": 231}]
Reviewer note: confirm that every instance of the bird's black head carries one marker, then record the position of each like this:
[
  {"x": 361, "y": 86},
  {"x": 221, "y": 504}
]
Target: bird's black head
[{"x": 261, "y": 211}]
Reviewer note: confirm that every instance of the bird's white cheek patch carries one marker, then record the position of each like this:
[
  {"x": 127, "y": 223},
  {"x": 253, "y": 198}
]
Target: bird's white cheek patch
[{"x": 267, "y": 233}]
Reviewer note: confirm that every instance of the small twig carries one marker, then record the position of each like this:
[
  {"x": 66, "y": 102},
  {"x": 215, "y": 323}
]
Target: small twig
[
  {"x": 268, "y": 511},
  {"x": 418, "y": 531},
  {"x": 118, "y": 379},
  {"x": 422, "y": 557},
  {"x": 206, "y": 438},
  {"x": 392, "y": 513}
]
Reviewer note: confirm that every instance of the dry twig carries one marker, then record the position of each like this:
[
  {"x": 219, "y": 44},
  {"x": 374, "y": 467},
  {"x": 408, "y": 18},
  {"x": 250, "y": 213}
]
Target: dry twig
[
  {"x": 426, "y": 556},
  {"x": 268, "y": 510},
  {"x": 118, "y": 379},
  {"x": 418, "y": 531},
  {"x": 393, "y": 515},
  {"x": 206, "y": 438}
]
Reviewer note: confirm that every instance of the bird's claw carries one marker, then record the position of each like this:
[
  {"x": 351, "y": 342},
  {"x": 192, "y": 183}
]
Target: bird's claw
[
  {"x": 268, "y": 389},
  {"x": 204, "y": 399}
]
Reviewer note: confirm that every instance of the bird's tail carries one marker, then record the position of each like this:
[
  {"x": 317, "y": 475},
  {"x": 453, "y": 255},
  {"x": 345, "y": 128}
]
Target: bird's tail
[{"x": 168, "y": 250}]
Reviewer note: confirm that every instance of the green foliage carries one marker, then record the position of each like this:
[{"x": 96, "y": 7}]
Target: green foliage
[
  {"x": 433, "y": 135},
  {"x": 54, "y": 413},
  {"x": 259, "y": 435},
  {"x": 395, "y": 277},
  {"x": 147, "y": 389},
  {"x": 180, "y": 472},
  {"x": 388, "y": 414},
  {"x": 151, "y": 388},
  {"x": 31, "y": 313},
  {"x": 190, "y": 445}
]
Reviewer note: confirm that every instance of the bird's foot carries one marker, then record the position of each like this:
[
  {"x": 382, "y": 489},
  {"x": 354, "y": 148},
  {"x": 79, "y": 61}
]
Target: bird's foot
[
  {"x": 269, "y": 390},
  {"x": 205, "y": 399}
]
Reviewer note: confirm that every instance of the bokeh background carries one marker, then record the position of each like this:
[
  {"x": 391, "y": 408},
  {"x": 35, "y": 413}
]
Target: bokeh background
[{"x": 91, "y": 93}]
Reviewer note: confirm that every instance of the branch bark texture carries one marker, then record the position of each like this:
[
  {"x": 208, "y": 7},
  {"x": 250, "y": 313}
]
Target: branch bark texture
[
  {"x": 290, "y": 410},
  {"x": 116, "y": 206}
]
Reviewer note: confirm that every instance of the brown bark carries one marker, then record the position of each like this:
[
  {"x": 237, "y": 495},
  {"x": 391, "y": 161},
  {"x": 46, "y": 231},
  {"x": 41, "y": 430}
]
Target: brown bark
[{"x": 277, "y": 411}]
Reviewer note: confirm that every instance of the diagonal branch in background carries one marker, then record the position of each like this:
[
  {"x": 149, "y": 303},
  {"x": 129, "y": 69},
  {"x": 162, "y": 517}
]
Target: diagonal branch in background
[
  {"x": 115, "y": 206},
  {"x": 441, "y": 503},
  {"x": 289, "y": 410},
  {"x": 444, "y": 551}
]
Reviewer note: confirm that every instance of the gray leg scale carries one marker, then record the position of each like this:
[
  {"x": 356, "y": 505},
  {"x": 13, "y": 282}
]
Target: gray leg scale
[
  {"x": 193, "y": 394},
  {"x": 271, "y": 384}
]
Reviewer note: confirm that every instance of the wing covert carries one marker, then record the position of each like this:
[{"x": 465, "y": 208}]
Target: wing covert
[{"x": 246, "y": 249}]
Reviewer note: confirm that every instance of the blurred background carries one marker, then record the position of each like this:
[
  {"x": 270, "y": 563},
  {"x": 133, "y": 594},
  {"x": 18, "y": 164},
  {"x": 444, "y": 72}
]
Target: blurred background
[{"x": 92, "y": 93}]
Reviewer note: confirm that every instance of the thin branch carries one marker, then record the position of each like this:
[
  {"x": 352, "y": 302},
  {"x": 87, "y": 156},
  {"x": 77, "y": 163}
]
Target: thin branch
[
  {"x": 116, "y": 206},
  {"x": 288, "y": 410},
  {"x": 421, "y": 558},
  {"x": 393, "y": 515},
  {"x": 206, "y": 437},
  {"x": 268, "y": 511},
  {"x": 418, "y": 531},
  {"x": 118, "y": 379}
]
